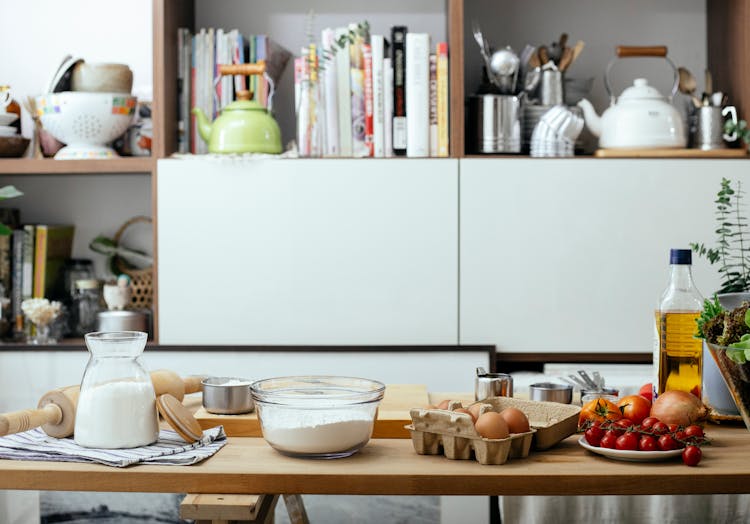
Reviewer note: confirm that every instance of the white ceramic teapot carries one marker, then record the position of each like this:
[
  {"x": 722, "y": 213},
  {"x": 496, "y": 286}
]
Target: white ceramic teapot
[{"x": 642, "y": 117}]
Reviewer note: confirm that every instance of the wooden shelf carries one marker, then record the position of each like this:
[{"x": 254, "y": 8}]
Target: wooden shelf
[{"x": 48, "y": 166}]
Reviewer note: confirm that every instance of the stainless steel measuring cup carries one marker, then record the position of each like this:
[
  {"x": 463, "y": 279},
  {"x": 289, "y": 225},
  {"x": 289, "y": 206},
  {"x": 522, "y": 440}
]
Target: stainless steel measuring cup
[{"x": 492, "y": 385}]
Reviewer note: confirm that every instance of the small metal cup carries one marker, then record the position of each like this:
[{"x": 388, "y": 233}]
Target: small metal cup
[
  {"x": 223, "y": 398},
  {"x": 551, "y": 392},
  {"x": 709, "y": 131},
  {"x": 488, "y": 385}
]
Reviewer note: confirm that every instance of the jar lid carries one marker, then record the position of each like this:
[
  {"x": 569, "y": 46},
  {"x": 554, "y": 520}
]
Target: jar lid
[
  {"x": 179, "y": 418},
  {"x": 87, "y": 283}
]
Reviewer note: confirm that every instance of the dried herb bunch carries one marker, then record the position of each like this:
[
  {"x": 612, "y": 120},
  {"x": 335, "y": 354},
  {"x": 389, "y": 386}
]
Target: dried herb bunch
[
  {"x": 359, "y": 31},
  {"x": 732, "y": 250}
]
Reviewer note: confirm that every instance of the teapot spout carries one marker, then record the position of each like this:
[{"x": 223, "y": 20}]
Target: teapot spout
[
  {"x": 204, "y": 126},
  {"x": 593, "y": 121}
]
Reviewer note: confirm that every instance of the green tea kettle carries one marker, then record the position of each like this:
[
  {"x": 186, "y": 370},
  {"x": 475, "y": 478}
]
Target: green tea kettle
[{"x": 244, "y": 126}]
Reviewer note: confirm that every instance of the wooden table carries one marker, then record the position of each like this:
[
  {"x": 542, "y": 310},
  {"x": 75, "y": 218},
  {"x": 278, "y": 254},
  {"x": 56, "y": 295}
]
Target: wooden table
[{"x": 387, "y": 466}]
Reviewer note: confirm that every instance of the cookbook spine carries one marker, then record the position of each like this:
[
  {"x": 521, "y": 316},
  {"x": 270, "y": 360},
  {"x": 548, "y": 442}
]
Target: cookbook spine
[
  {"x": 418, "y": 95},
  {"x": 398, "y": 57}
]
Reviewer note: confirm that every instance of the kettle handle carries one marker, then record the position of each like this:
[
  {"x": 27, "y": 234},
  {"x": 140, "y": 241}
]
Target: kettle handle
[
  {"x": 623, "y": 51},
  {"x": 257, "y": 68}
]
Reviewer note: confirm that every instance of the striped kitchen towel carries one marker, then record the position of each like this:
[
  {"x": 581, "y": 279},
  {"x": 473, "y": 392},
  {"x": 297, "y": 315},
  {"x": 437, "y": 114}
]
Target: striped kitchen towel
[{"x": 169, "y": 450}]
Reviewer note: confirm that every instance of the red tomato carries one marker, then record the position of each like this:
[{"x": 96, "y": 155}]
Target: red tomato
[
  {"x": 609, "y": 440},
  {"x": 691, "y": 455},
  {"x": 680, "y": 437},
  {"x": 593, "y": 437},
  {"x": 694, "y": 431},
  {"x": 673, "y": 428},
  {"x": 649, "y": 422},
  {"x": 628, "y": 442},
  {"x": 696, "y": 391},
  {"x": 634, "y": 407},
  {"x": 659, "y": 428},
  {"x": 599, "y": 409},
  {"x": 667, "y": 443},
  {"x": 647, "y": 391},
  {"x": 647, "y": 443}
]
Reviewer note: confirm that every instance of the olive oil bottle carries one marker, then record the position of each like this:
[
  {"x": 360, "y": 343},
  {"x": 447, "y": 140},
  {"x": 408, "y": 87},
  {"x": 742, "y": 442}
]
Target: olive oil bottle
[{"x": 678, "y": 354}]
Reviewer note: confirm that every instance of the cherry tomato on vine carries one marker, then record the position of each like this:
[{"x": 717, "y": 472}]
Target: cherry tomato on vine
[
  {"x": 628, "y": 441},
  {"x": 647, "y": 443},
  {"x": 594, "y": 436},
  {"x": 609, "y": 440},
  {"x": 660, "y": 428},
  {"x": 691, "y": 455},
  {"x": 649, "y": 422},
  {"x": 667, "y": 443},
  {"x": 694, "y": 431}
]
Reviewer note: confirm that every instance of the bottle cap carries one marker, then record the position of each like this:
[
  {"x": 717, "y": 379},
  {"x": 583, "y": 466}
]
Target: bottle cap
[{"x": 680, "y": 256}]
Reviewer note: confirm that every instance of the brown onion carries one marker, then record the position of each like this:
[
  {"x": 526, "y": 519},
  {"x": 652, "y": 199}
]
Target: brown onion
[{"x": 678, "y": 407}]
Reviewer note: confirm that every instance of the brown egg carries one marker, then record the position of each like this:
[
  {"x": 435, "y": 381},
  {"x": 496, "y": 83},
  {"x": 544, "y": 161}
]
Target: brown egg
[
  {"x": 464, "y": 410},
  {"x": 474, "y": 410},
  {"x": 492, "y": 425},
  {"x": 443, "y": 404},
  {"x": 516, "y": 419}
]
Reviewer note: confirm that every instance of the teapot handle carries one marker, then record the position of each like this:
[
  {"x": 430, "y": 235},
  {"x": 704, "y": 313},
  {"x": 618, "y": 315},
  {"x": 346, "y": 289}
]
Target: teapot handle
[
  {"x": 623, "y": 51},
  {"x": 258, "y": 68}
]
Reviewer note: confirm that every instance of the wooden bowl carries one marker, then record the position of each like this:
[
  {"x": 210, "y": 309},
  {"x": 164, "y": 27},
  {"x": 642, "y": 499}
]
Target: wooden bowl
[{"x": 13, "y": 146}]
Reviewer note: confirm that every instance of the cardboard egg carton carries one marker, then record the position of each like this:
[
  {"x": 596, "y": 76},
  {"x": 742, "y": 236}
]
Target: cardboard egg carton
[
  {"x": 552, "y": 421},
  {"x": 443, "y": 431}
]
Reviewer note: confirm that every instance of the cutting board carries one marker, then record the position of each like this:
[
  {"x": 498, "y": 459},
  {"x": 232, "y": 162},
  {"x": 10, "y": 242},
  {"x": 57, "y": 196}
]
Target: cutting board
[
  {"x": 670, "y": 153},
  {"x": 393, "y": 414}
]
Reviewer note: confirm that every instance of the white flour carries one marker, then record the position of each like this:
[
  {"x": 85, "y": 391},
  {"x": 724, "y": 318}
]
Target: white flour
[
  {"x": 116, "y": 415},
  {"x": 299, "y": 431}
]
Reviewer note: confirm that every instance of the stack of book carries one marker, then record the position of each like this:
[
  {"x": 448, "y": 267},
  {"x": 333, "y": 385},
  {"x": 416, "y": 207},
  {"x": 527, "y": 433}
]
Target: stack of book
[
  {"x": 31, "y": 263},
  {"x": 373, "y": 97},
  {"x": 201, "y": 85}
]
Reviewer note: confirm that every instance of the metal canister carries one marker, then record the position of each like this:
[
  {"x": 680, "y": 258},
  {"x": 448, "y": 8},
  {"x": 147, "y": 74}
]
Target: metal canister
[
  {"x": 495, "y": 123},
  {"x": 492, "y": 385}
]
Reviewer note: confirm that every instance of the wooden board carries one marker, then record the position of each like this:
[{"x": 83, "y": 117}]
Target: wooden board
[
  {"x": 393, "y": 414},
  {"x": 391, "y": 467},
  {"x": 670, "y": 153}
]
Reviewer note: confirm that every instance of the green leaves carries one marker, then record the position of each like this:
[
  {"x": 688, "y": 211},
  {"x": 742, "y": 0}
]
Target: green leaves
[
  {"x": 732, "y": 249},
  {"x": 741, "y": 128},
  {"x": 710, "y": 311},
  {"x": 7, "y": 192}
]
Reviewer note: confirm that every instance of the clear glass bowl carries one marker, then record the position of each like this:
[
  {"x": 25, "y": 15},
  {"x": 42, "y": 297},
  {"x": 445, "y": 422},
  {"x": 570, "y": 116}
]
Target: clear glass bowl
[{"x": 317, "y": 416}]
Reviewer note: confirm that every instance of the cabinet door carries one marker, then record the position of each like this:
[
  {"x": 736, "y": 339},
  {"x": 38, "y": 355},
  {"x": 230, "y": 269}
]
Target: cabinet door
[
  {"x": 308, "y": 251},
  {"x": 571, "y": 255}
]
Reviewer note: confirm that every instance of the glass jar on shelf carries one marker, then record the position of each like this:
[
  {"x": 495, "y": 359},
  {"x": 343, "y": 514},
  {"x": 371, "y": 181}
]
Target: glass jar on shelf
[{"x": 87, "y": 302}]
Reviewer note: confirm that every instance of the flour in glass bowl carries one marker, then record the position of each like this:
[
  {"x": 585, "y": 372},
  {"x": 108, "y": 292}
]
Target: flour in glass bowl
[{"x": 316, "y": 431}]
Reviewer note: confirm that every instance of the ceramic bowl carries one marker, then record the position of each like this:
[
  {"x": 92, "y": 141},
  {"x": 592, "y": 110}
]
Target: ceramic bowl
[
  {"x": 13, "y": 146},
  {"x": 7, "y": 119},
  {"x": 101, "y": 78},
  {"x": 86, "y": 122}
]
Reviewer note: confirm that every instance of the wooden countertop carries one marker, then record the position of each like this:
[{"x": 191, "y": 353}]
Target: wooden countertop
[{"x": 386, "y": 466}]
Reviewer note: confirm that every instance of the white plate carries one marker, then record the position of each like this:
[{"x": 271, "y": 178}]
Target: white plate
[{"x": 630, "y": 456}]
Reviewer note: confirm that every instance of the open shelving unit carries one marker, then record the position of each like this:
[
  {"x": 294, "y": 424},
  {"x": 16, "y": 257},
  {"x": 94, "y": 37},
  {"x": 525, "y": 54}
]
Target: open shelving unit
[{"x": 728, "y": 56}]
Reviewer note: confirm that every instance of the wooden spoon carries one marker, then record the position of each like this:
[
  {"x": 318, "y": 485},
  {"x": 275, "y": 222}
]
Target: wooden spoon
[
  {"x": 577, "y": 51},
  {"x": 687, "y": 85},
  {"x": 543, "y": 54},
  {"x": 566, "y": 59}
]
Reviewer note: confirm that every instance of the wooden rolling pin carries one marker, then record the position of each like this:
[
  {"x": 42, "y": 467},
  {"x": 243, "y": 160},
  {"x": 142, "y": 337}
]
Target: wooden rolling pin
[{"x": 56, "y": 411}]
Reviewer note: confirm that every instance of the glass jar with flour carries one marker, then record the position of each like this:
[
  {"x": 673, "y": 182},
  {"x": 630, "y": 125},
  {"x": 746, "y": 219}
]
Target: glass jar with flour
[{"x": 117, "y": 404}]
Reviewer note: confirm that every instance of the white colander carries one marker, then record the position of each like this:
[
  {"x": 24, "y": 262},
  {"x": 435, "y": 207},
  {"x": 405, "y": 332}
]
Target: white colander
[{"x": 86, "y": 122}]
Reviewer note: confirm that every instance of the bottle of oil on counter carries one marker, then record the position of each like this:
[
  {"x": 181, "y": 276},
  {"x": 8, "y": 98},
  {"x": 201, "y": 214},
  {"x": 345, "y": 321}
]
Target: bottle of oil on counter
[{"x": 677, "y": 353}]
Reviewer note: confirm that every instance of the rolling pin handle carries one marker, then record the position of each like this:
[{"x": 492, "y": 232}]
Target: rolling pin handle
[{"x": 25, "y": 420}]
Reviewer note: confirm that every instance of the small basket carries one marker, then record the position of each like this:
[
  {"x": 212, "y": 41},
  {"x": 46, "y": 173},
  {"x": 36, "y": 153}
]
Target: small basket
[{"x": 141, "y": 280}]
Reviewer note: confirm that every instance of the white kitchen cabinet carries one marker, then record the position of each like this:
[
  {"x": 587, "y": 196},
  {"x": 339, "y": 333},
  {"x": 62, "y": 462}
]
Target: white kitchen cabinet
[
  {"x": 308, "y": 252},
  {"x": 572, "y": 255}
]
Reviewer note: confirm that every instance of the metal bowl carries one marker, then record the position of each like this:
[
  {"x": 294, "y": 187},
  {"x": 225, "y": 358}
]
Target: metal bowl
[
  {"x": 551, "y": 392},
  {"x": 227, "y": 395}
]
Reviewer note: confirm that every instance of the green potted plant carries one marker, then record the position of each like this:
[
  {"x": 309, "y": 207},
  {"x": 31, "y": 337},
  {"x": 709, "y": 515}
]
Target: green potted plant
[{"x": 732, "y": 254}]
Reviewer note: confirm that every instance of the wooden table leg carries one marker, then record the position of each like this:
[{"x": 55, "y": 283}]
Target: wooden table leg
[{"x": 296, "y": 509}]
